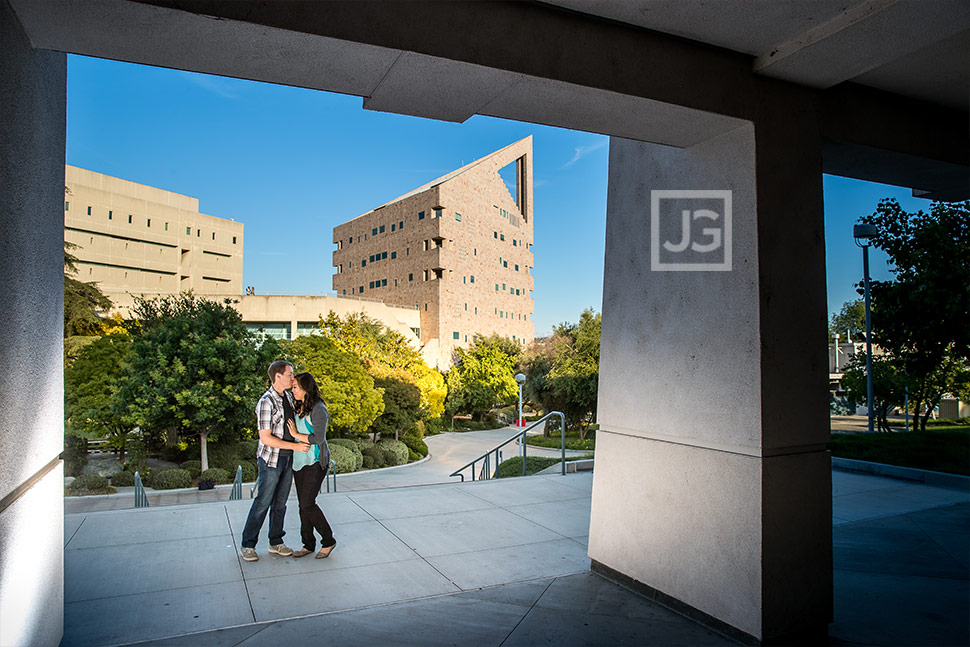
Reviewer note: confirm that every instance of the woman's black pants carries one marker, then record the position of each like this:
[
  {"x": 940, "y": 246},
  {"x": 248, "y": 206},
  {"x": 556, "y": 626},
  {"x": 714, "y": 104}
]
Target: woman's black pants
[{"x": 308, "y": 482}]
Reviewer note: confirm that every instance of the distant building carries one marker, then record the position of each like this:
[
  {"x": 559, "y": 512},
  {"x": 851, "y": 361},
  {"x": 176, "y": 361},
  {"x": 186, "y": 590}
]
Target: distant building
[
  {"x": 137, "y": 239},
  {"x": 459, "y": 249}
]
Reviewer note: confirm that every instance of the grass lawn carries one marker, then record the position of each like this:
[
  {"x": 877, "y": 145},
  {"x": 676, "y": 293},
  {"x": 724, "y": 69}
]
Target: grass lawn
[
  {"x": 513, "y": 466},
  {"x": 572, "y": 440},
  {"x": 944, "y": 448}
]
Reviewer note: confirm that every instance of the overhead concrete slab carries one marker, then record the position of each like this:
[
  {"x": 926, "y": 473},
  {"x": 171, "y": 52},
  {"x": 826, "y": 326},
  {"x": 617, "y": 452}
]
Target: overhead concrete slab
[
  {"x": 118, "y": 620},
  {"x": 288, "y": 596}
]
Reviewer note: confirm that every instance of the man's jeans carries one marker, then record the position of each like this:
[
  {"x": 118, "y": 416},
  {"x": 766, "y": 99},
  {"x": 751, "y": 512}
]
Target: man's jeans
[{"x": 272, "y": 489}]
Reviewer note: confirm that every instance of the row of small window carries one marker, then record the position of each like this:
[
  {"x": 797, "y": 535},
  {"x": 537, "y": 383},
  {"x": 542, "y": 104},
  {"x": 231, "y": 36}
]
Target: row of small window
[
  {"x": 515, "y": 241},
  {"x": 505, "y": 263},
  {"x": 380, "y": 229},
  {"x": 457, "y": 335},
  {"x": 148, "y": 223}
]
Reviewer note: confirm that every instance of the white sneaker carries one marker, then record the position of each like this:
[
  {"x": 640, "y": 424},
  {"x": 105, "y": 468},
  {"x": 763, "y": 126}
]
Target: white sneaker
[
  {"x": 280, "y": 549},
  {"x": 249, "y": 555}
]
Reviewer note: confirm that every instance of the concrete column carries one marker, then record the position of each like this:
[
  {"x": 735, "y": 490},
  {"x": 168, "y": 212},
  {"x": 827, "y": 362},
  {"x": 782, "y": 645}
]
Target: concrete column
[
  {"x": 713, "y": 488},
  {"x": 32, "y": 130}
]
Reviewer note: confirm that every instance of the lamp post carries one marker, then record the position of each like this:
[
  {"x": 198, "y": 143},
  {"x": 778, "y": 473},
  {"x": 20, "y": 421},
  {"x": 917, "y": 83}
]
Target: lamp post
[
  {"x": 520, "y": 378},
  {"x": 862, "y": 235}
]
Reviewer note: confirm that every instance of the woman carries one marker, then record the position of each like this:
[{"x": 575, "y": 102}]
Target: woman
[{"x": 310, "y": 469}]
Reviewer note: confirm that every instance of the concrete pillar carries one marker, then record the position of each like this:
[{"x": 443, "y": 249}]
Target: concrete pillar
[
  {"x": 32, "y": 129},
  {"x": 712, "y": 491}
]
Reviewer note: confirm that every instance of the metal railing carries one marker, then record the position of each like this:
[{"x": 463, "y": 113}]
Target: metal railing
[
  {"x": 486, "y": 471},
  {"x": 333, "y": 475},
  {"x": 236, "y": 493},
  {"x": 141, "y": 499}
]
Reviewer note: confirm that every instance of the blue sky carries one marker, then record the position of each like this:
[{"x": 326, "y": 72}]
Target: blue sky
[{"x": 292, "y": 163}]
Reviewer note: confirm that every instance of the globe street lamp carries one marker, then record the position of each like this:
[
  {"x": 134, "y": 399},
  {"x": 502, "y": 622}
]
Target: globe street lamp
[
  {"x": 520, "y": 378},
  {"x": 862, "y": 235}
]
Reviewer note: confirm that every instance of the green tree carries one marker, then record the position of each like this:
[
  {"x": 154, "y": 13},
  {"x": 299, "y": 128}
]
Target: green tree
[
  {"x": 347, "y": 388},
  {"x": 194, "y": 368},
  {"x": 92, "y": 408},
  {"x": 483, "y": 375},
  {"x": 83, "y": 302},
  {"x": 402, "y": 408},
  {"x": 922, "y": 317},
  {"x": 387, "y": 354},
  {"x": 888, "y": 385},
  {"x": 851, "y": 318}
]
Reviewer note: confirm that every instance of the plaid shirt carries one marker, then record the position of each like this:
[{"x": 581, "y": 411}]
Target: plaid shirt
[{"x": 269, "y": 415}]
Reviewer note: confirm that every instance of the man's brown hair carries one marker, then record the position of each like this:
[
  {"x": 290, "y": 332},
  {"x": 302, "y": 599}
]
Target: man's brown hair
[{"x": 277, "y": 367}]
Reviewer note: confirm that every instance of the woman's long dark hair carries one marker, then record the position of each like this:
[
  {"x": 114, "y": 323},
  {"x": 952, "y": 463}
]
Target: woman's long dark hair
[{"x": 308, "y": 384}]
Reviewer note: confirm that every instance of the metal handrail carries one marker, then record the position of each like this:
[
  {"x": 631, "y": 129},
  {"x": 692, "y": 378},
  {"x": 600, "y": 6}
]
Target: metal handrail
[
  {"x": 141, "y": 499},
  {"x": 486, "y": 470},
  {"x": 236, "y": 493}
]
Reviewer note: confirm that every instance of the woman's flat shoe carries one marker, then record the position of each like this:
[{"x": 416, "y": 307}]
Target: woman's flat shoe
[
  {"x": 325, "y": 552},
  {"x": 301, "y": 552}
]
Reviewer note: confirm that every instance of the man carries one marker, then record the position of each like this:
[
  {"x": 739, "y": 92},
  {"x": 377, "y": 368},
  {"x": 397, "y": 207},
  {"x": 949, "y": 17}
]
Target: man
[{"x": 274, "y": 459}]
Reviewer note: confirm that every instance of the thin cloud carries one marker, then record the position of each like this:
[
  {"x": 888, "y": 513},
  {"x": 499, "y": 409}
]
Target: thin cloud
[
  {"x": 216, "y": 85},
  {"x": 583, "y": 151}
]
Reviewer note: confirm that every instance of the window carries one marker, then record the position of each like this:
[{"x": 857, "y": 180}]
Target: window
[
  {"x": 395, "y": 282},
  {"x": 365, "y": 236},
  {"x": 129, "y": 218},
  {"x": 515, "y": 243},
  {"x": 455, "y": 335},
  {"x": 505, "y": 263},
  {"x": 476, "y": 251},
  {"x": 466, "y": 337},
  {"x": 382, "y": 229},
  {"x": 516, "y": 267},
  {"x": 148, "y": 222},
  {"x": 420, "y": 215},
  {"x": 476, "y": 309},
  {"x": 363, "y": 262},
  {"x": 89, "y": 211},
  {"x": 516, "y": 291},
  {"x": 373, "y": 232},
  {"x": 233, "y": 240},
  {"x": 458, "y": 218},
  {"x": 466, "y": 307},
  {"x": 361, "y": 291},
  {"x": 425, "y": 243},
  {"x": 437, "y": 213},
  {"x": 198, "y": 233},
  {"x": 472, "y": 278},
  {"x": 188, "y": 231},
  {"x": 371, "y": 285},
  {"x": 393, "y": 226},
  {"x": 400, "y": 225},
  {"x": 109, "y": 217},
  {"x": 503, "y": 287},
  {"x": 213, "y": 235},
  {"x": 501, "y": 237},
  {"x": 67, "y": 206},
  {"x": 495, "y": 234},
  {"x": 383, "y": 283},
  {"x": 383, "y": 255},
  {"x": 425, "y": 275},
  {"x": 426, "y": 307},
  {"x": 350, "y": 241},
  {"x": 407, "y": 251},
  {"x": 393, "y": 255},
  {"x": 371, "y": 258},
  {"x": 496, "y": 287},
  {"x": 410, "y": 277},
  {"x": 464, "y": 279},
  {"x": 345, "y": 292}
]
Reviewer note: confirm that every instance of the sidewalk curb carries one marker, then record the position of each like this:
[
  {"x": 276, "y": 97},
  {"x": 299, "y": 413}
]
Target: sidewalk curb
[{"x": 940, "y": 479}]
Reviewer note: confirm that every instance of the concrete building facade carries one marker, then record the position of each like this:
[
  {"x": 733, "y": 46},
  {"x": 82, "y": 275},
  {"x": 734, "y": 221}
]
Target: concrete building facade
[
  {"x": 137, "y": 239},
  {"x": 458, "y": 248}
]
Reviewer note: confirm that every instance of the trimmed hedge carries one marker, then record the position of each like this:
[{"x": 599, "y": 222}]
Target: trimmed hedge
[
  {"x": 89, "y": 482},
  {"x": 416, "y": 445},
  {"x": 399, "y": 449},
  {"x": 390, "y": 457},
  {"x": 376, "y": 457},
  {"x": 344, "y": 459},
  {"x": 122, "y": 479},
  {"x": 249, "y": 472},
  {"x": 218, "y": 475},
  {"x": 368, "y": 462},
  {"x": 171, "y": 479},
  {"x": 352, "y": 446},
  {"x": 194, "y": 468}
]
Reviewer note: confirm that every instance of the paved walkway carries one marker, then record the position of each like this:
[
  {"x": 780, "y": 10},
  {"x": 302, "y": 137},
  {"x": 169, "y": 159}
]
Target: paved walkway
[{"x": 487, "y": 563}]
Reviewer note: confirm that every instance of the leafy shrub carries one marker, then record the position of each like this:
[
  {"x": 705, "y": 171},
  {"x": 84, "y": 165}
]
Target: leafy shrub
[
  {"x": 194, "y": 468},
  {"x": 434, "y": 426},
  {"x": 75, "y": 455},
  {"x": 399, "y": 449},
  {"x": 416, "y": 445},
  {"x": 368, "y": 462},
  {"x": 246, "y": 448},
  {"x": 90, "y": 482},
  {"x": 352, "y": 446},
  {"x": 124, "y": 478},
  {"x": 376, "y": 456},
  {"x": 217, "y": 474},
  {"x": 412, "y": 456},
  {"x": 224, "y": 455},
  {"x": 249, "y": 471},
  {"x": 390, "y": 458},
  {"x": 169, "y": 479},
  {"x": 344, "y": 459}
]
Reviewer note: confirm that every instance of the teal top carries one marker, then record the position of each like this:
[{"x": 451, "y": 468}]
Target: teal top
[{"x": 319, "y": 450}]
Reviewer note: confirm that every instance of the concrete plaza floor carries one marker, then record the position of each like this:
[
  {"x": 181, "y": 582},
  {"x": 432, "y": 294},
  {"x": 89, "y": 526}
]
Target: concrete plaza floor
[{"x": 486, "y": 563}]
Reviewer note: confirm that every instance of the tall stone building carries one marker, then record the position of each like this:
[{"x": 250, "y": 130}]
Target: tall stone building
[
  {"x": 137, "y": 239},
  {"x": 457, "y": 248}
]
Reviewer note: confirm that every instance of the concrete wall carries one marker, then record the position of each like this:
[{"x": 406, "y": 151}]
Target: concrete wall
[
  {"x": 32, "y": 130},
  {"x": 712, "y": 496}
]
